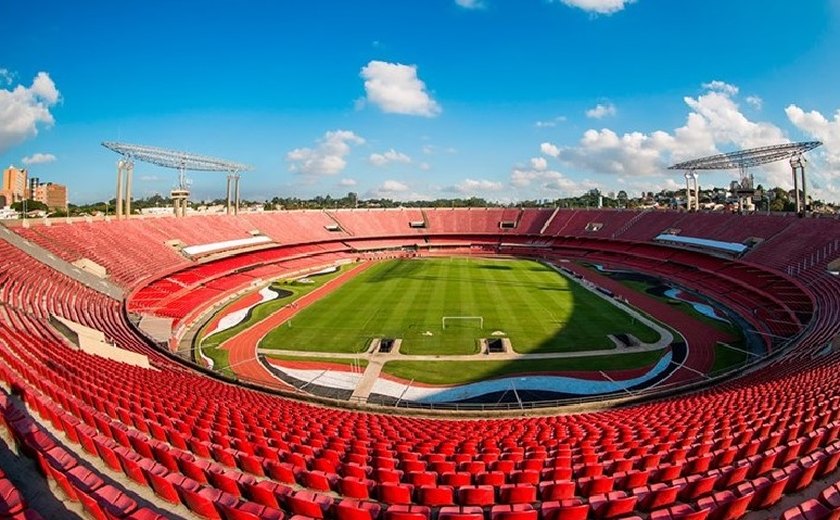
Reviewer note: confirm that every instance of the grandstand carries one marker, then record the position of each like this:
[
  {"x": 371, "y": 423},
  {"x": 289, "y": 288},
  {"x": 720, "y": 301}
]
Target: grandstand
[{"x": 174, "y": 440}]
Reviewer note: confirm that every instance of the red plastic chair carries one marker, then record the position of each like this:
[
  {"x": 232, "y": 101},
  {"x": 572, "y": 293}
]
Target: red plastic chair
[
  {"x": 407, "y": 512},
  {"x": 476, "y": 496},
  {"x": 569, "y": 509},
  {"x": 435, "y": 496},
  {"x": 461, "y": 513}
]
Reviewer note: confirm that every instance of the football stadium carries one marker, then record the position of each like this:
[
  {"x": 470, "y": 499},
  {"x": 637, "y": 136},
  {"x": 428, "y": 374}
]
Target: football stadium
[
  {"x": 413, "y": 362},
  {"x": 198, "y": 350}
]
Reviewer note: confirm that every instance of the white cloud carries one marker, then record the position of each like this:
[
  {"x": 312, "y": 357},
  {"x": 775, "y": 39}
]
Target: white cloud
[
  {"x": 550, "y": 123},
  {"x": 22, "y": 109},
  {"x": 392, "y": 186},
  {"x": 391, "y": 156},
  {"x": 714, "y": 120},
  {"x": 470, "y": 4},
  {"x": 327, "y": 158},
  {"x": 425, "y": 166},
  {"x": 721, "y": 86},
  {"x": 601, "y": 111},
  {"x": 396, "y": 89},
  {"x": 550, "y": 149},
  {"x": 598, "y": 6},
  {"x": 755, "y": 102},
  {"x": 347, "y": 182},
  {"x": 475, "y": 186},
  {"x": 817, "y": 126},
  {"x": 6, "y": 77},
  {"x": 548, "y": 180},
  {"x": 539, "y": 163},
  {"x": 39, "y": 158}
]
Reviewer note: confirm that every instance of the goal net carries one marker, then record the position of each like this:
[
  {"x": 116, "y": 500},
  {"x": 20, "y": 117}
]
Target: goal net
[{"x": 480, "y": 320}]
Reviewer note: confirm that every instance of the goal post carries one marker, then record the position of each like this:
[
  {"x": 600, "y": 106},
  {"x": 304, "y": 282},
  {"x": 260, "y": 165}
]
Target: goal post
[{"x": 479, "y": 318}]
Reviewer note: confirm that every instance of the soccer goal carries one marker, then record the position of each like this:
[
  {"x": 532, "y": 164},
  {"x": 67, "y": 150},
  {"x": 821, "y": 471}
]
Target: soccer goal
[{"x": 479, "y": 318}]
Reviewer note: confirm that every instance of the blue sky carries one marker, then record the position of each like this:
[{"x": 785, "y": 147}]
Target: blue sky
[{"x": 505, "y": 99}]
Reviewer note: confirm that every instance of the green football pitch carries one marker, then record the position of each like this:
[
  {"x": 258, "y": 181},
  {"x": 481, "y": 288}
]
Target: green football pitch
[{"x": 537, "y": 308}]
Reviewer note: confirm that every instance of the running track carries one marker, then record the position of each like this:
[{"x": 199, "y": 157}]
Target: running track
[
  {"x": 701, "y": 337},
  {"x": 242, "y": 348}
]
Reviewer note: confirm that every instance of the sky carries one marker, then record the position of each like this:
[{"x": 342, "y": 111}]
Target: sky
[{"x": 419, "y": 99}]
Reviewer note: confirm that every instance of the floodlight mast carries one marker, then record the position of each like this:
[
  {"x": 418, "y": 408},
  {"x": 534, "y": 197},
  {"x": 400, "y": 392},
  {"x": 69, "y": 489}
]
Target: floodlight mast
[
  {"x": 181, "y": 161},
  {"x": 742, "y": 160}
]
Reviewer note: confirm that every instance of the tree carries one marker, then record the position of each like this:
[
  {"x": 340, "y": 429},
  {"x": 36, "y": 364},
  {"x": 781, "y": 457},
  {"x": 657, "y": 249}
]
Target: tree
[
  {"x": 31, "y": 205},
  {"x": 622, "y": 198}
]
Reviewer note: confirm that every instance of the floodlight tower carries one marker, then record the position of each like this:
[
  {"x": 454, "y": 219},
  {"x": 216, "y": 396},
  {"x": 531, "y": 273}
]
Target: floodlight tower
[
  {"x": 181, "y": 161},
  {"x": 125, "y": 171},
  {"x": 746, "y": 189},
  {"x": 692, "y": 191},
  {"x": 743, "y": 160},
  {"x": 797, "y": 165},
  {"x": 181, "y": 193}
]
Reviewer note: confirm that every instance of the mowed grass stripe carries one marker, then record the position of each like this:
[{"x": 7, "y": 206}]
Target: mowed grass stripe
[{"x": 539, "y": 309}]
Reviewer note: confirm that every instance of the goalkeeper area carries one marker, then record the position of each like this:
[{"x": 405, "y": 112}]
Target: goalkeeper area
[{"x": 444, "y": 306}]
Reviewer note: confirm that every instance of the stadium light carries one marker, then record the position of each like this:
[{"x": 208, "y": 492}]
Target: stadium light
[
  {"x": 181, "y": 161},
  {"x": 742, "y": 160}
]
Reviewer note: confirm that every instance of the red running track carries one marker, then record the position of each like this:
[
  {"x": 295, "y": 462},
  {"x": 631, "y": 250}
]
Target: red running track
[
  {"x": 242, "y": 348},
  {"x": 701, "y": 337}
]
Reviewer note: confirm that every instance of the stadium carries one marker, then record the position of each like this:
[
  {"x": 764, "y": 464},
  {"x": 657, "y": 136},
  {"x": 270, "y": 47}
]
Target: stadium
[
  {"x": 109, "y": 389},
  {"x": 444, "y": 260}
]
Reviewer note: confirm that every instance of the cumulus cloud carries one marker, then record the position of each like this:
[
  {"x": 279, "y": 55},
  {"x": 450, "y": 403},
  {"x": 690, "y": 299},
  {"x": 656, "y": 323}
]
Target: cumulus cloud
[
  {"x": 6, "y": 77},
  {"x": 22, "y": 109},
  {"x": 548, "y": 180},
  {"x": 721, "y": 86},
  {"x": 601, "y": 110},
  {"x": 819, "y": 127},
  {"x": 755, "y": 102},
  {"x": 347, "y": 182},
  {"x": 475, "y": 186},
  {"x": 392, "y": 189},
  {"x": 391, "y": 156},
  {"x": 816, "y": 126},
  {"x": 327, "y": 158},
  {"x": 714, "y": 121},
  {"x": 38, "y": 158},
  {"x": 539, "y": 163},
  {"x": 396, "y": 89},
  {"x": 598, "y": 6},
  {"x": 392, "y": 186},
  {"x": 550, "y": 149},
  {"x": 470, "y": 4}
]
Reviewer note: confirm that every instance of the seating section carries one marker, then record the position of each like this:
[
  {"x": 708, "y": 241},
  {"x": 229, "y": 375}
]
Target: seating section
[
  {"x": 107, "y": 434},
  {"x": 378, "y": 223}
]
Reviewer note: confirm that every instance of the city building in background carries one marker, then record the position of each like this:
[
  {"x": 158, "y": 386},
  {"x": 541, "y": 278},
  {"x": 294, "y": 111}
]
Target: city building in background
[
  {"x": 15, "y": 188},
  {"x": 52, "y": 194}
]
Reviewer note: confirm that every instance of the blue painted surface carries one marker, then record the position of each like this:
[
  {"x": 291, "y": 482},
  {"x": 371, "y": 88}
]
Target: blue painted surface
[{"x": 702, "y": 308}]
